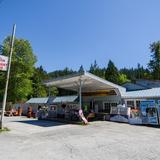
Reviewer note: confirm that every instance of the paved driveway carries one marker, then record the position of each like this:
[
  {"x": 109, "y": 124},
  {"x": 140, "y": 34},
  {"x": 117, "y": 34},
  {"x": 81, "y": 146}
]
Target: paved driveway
[{"x": 30, "y": 139}]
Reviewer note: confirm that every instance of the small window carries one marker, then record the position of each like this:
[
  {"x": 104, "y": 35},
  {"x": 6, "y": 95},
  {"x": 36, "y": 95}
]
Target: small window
[
  {"x": 113, "y": 104},
  {"x": 138, "y": 104},
  {"x": 107, "y": 107},
  {"x": 130, "y": 104}
]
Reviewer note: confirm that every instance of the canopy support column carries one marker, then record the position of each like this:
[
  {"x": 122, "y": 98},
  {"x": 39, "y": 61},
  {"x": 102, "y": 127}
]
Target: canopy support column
[{"x": 80, "y": 94}]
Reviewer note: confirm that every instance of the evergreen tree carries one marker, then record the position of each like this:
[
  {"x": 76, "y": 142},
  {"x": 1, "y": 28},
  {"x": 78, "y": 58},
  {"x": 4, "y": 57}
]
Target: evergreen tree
[
  {"x": 136, "y": 73},
  {"x": 81, "y": 69},
  {"x": 39, "y": 89},
  {"x": 94, "y": 67},
  {"x": 154, "y": 64},
  {"x": 112, "y": 73},
  {"x": 96, "y": 70},
  {"x": 59, "y": 73}
]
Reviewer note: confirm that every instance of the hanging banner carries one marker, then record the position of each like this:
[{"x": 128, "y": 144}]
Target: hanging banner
[{"x": 3, "y": 63}]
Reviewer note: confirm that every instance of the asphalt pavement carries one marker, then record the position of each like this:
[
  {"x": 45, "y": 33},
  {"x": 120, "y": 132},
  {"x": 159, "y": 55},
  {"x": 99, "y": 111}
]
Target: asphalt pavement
[{"x": 30, "y": 139}]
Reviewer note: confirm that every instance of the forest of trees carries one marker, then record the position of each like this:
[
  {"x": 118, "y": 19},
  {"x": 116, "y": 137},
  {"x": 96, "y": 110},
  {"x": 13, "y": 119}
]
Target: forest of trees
[{"x": 26, "y": 80}]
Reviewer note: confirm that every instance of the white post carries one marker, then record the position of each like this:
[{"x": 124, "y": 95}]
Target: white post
[
  {"x": 49, "y": 91},
  {"x": 80, "y": 94},
  {"x": 8, "y": 73}
]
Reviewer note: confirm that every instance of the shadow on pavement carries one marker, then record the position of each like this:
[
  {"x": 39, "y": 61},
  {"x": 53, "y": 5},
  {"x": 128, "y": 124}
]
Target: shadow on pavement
[{"x": 41, "y": 123}]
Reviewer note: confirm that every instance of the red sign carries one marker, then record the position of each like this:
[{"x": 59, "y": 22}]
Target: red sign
[{"x": 3, "y": 63}]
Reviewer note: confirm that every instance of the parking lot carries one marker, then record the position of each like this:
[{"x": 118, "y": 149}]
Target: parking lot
[{"x": 100, "y": 140}]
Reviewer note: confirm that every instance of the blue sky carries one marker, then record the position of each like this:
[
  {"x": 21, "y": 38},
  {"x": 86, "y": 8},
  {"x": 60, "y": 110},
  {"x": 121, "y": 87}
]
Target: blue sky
[{"x": 74, "y": 32}]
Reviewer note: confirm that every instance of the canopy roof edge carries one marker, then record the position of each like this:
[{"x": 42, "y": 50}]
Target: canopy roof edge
[{"x": 90, "y": 82}]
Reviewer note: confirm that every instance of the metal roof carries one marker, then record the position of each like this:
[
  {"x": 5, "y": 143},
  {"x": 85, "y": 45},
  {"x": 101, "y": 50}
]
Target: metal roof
[
  {"x": 43, "y": 100},
  {"x": 148, "y": 93},
  {"x": 64, "y": 99},
  {"x": 133, "y": 87},
  {"x": 90, "y": 83}
]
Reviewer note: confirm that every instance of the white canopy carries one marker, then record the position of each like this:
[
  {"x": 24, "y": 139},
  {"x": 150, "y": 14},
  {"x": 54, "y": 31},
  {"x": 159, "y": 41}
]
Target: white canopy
[{"x": 88, "y": 81}]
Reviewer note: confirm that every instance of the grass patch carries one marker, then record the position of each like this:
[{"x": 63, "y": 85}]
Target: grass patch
[{"x": 5, "y": 129}]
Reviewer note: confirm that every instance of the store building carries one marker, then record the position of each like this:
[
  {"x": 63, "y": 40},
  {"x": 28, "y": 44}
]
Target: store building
[
  {"x": 93, "y": 93},
  {"x": 35, "y": 103},
  {"x": 133, "y": 98},
  {"x": 98, "y": 98}
]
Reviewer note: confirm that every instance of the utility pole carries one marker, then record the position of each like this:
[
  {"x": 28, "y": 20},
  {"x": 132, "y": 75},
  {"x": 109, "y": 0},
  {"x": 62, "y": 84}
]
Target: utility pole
[{"x": 8, "y": 74}]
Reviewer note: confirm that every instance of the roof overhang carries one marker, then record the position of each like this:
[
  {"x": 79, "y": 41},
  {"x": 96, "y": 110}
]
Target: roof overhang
[
  {"x": 90, "y": 83},
  {"x": 42, "y": 100},
  {"x": 65, "y": 99},
  {"x": 147, "y": 93}
]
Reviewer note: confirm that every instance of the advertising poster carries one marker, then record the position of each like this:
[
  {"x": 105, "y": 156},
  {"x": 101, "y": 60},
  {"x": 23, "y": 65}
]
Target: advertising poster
[
  {"x": 158, "y": 106},
  {"x": 135, "y": 117},
  {"x": 149, "y": 112},
  {"x": 146, "y": 104}
]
